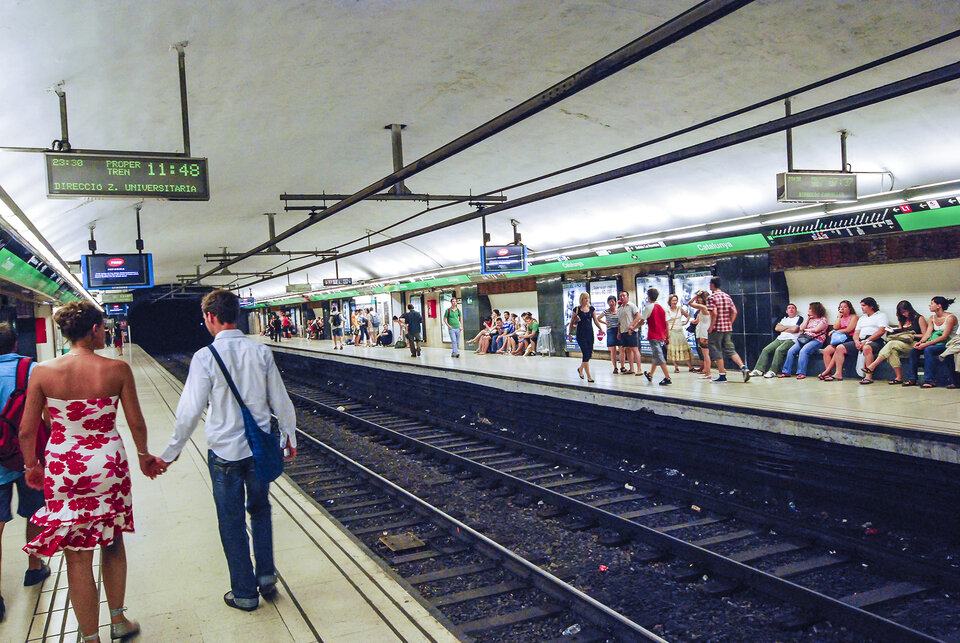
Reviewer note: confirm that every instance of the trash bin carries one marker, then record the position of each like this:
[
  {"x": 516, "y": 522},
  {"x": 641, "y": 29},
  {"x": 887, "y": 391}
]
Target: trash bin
[{"x": 545, "y": 341}]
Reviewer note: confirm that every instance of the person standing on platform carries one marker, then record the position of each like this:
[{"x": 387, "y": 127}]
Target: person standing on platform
[
  {"x": 702, "y": 331},
  {"x": 451, "y": 319},
  {"x": 85, "y": 473},
  {"x": 29, "y": 500},
  {"x": 584, "y": 317},
  {"x": 612, "y": 321},
  {"x": 656, "y": 319},
  {"x": 723, "y": 312},
  {"x": 229, "y": 458},
  {"x": 275, "y": 328},
  {"x": 118, "y": 341},
  {"x": 411, "y": 324},
  {"x": 336, "y": 328},
  {"x": 628, "y": 316},
  {"x": 677, "y": 346},
  {"x": 773, "y": 355}
]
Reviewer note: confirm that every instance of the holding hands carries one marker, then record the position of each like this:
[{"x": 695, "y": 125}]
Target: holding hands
[{"x": 152, "y": 466}]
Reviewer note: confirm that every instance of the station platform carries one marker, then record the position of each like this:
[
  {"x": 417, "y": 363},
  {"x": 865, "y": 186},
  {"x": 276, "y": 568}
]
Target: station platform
[
  {"x": 921, "y": 423},
  {"x": 330, "y": 589}
]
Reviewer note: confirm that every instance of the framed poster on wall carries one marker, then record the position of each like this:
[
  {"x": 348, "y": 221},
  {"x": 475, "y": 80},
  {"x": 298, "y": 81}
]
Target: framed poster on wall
[
  {"x": 685, "y": 284},
  {"x": 644, "y": 282},
  {"x": 600, "y": 289},
  {"x": 571, "y": 298},
  {"x": 417, "y": 301}
]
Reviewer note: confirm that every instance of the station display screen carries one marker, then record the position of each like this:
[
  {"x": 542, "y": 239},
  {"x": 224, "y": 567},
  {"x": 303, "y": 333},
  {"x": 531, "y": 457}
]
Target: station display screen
[
  {"x": 123, "y": 175},
  {"x": 496, "y": 260},
  {"x": 339, "y": 281},
  {"x": 816, "y": 187},
  {"x": 246, "y": 302},
  {"x": 116, "y": 309},
  {"x": 125, "y": 271}
]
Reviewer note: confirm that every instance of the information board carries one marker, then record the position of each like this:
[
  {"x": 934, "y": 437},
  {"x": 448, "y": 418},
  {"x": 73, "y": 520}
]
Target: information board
[
  {"x": 496, "y": 260},
  {"x": 117, "y": 297},
  {"x": 117, "y": 271},
  {"x": 121, "y": 175},
  {"x": 339, "y": 281},
  {"x": 246, "y": 302},
  {"x": 116, "y": 309},
  {"x": 816, "y": 187}
]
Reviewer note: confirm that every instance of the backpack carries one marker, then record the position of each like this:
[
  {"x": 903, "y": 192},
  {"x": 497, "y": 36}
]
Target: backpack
[
  {"x": 10, "y": 455},
  {"x": 376, "y": 320},
  {"x": 336, "y": 319}
]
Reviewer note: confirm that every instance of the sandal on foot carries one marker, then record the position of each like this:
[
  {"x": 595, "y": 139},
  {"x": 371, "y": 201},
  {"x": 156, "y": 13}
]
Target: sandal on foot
[
  {"x": 928, "y": 385},
  {"x": 125, "y": 630},
  {"x": 868, "y": 371},
  {"x": 801, "y": 376},
  {"x": 866, "y": 381},
  {"x": 829, "y": 378},
  {"x": 910, "y": 383},
  {"x": 896, "y": 381}
]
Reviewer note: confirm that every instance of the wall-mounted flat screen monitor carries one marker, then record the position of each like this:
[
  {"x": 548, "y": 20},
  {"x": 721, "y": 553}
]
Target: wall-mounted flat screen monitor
[
  {"x": 246, "y": 302},
  {"x": 102, "y": 272},
  {"x": 115, "y": 309},
  {"x": 496, "y": 260}
]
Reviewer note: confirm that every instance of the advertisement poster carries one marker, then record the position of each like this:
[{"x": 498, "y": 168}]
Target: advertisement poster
[
  {"x": 445, "y": 298},
  {"x": 571, "y": 298},
  {"x": 644, "y": 283},
  {"x": 417, "y": 301},
  {"x": 600, "y": 290},
  {"x": 685, "y": 285}
]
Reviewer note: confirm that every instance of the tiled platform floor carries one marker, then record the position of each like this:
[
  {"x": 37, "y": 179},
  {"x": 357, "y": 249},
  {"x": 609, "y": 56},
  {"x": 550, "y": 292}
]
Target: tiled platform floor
[{"x": 330, "y": 590}]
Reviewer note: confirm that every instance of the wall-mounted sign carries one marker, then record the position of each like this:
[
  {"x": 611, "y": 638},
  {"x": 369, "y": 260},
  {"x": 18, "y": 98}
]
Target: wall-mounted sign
[
  {"x": 816, "y": 187},
  {"x": 339, "y": 281},
  {"x": 121, "y": 175},
  {"x": 496, "y": 260},
  {"x": 117, "y": 271},
  {"x": 117, "y": 297},
  {"x": 116, "y": 309},
  {"x": 299, "y": 287}
]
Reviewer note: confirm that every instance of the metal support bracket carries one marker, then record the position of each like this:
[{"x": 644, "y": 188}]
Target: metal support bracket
[
  {"x": 184, "y": 112},
  {"x": 396, "y": 146},
  {"x": 139, "y": 236}
]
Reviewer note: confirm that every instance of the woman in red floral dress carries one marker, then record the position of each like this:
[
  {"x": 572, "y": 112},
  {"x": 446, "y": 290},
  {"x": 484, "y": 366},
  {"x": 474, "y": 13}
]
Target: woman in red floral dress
[{"x": 85, "y": 476}]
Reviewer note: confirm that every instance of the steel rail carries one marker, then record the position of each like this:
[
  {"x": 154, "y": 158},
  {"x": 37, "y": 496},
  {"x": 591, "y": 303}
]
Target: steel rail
[
  {"x": 821, "y": 604},
  {"x": 863, "y": 99},
  {"x": 595, "y": 611},
  {"x": 674, "y": 30}
]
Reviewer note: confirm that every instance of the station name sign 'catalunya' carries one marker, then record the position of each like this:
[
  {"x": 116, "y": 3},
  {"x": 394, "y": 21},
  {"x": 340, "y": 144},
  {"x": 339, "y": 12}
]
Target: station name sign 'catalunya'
[{"x": 158, "y": 177}]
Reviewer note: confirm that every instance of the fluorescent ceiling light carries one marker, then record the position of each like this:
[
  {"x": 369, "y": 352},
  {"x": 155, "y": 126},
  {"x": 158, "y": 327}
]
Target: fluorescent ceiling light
[
  {"x": 733, "y": 228},
  {"x": 864, "y": 206},
  {"x": 937, "y": 195}
]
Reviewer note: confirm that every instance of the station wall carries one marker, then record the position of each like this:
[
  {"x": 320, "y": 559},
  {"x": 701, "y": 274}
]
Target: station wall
[
  {"x": 516, "y": 302},
  {"x": 917, "y": 282}
]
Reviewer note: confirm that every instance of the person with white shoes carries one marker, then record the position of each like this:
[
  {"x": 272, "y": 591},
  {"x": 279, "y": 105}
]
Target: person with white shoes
[{"x": 774, "y": 354}]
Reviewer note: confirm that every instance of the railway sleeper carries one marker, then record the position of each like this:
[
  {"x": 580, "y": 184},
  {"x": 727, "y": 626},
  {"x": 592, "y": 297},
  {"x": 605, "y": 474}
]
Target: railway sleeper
[
  {"x": 864, "y": 600},
  {"x": 478, "y": 592},
  {"x": 388, "y": 527},
  {"x": 510, "y": 619},
  {"x": 451, "y": 572}
]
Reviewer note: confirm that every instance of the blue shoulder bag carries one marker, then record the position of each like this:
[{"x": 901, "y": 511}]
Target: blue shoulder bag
[{"x": 267, "y": 456}]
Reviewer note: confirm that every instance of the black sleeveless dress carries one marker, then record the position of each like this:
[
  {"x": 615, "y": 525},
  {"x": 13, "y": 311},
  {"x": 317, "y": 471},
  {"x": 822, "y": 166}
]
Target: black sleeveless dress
[{"x": 585, "y": 332}]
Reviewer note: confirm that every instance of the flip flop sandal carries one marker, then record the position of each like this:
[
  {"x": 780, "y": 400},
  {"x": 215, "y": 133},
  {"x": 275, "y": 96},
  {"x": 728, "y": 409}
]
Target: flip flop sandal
[
  {"x": 928, "y": 385},
  {"x": 801, "y": 376},
  {"x": 822, "y": 377},
  {"x": 866, "y": 381},
  {"x": 867, "y": 371},
  {"x": 896, "y": 381}
]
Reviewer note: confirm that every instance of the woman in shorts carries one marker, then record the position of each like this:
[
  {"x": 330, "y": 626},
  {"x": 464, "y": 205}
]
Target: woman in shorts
[
  {"x": 336, "y": 328},
  {"x": 702, "y": 323}
]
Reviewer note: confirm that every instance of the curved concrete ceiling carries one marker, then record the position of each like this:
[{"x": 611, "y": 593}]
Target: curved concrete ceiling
[{"x": 293, "y": 97}]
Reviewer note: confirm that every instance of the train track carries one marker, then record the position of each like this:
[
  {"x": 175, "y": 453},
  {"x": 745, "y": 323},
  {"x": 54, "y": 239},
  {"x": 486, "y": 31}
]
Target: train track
[{"x": 742, "y": 547}]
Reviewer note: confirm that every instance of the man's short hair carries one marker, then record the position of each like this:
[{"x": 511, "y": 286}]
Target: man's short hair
[
  {"x": 409, "y": 306},
  {"x": 653, "y": 293},
  {"x": 8, "y": 338},
  {"x": 715, "y": 282},
  {"x": 223, "y": 304}
]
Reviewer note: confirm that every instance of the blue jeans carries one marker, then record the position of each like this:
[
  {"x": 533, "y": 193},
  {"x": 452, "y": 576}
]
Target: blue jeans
[
  {"x": 930, "y": 362},
  {"x": 455, "y": 340},
  {"x": 231, "y": 482},
  {"x": 805, "y": 352}
]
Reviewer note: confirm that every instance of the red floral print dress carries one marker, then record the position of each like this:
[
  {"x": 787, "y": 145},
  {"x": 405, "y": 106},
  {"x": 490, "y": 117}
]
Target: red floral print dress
[{"x": 86, "y": 480}]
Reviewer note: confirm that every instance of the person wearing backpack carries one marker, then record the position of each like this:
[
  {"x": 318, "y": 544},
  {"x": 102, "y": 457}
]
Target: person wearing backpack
[
  {"x": 14, "y": 367},
  {"x": 336, "y": 328}
]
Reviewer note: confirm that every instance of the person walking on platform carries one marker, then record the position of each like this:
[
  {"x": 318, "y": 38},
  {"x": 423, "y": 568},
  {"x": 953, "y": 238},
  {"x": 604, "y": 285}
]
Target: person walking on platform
[
  {"x": 229, "y": 459},
  {"x": 771, "y": 359},
  {"x": 336, "y": 328},
  {"x": 702, "y": 331},
  {"x": 451, "y": 319},
  {"x": 411, "y": 324},
  {"x": 85, "y": 471},
  {"x": 628, "y": 317},
  {"x": 584, "y": 317},
  {"x": 29, "y": 500},
  {"x": 656, "y": 319},
  {"x": 723, "y": 312},
  {"x": 677, "y": 347}
]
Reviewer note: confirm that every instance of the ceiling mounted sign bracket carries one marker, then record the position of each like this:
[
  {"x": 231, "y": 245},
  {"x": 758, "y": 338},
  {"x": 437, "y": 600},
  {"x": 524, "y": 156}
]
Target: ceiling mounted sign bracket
[
  {"x": 139, "y": 236},
  {"x": 789, "y": 133},
  {"x": 92, "y": 243},
  {"x": 396, "y": 146},
  {"x": 63, "y": 143},
  {"x": 184, "y": 111}
]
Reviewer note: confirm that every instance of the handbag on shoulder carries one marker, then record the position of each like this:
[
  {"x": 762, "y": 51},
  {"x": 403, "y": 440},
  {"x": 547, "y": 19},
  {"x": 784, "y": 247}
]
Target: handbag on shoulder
[{"x": 267, "y": 456}]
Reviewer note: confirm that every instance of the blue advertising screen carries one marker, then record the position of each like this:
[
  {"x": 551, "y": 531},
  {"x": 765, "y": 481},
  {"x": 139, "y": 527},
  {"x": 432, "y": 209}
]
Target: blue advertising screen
[
  {"x": 496, "y": 260},
  {"x": 101, "y": 272},
  {"x": 246, "y": 302},
  {"x": 116, "y": 309}
]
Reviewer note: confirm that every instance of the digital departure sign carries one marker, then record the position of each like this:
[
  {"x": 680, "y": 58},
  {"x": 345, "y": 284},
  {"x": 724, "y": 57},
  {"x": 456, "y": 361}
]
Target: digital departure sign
[
  {"x": 117, "y": 271},
  {"x": 339, "y": 281},
  {"x": 158, "y": 177},
  {"x": 246, "y": 302},
  {"x": 116, "y": 309},
  {"x": 816, "y": 187},
  {"x": 495, "y": 260}
]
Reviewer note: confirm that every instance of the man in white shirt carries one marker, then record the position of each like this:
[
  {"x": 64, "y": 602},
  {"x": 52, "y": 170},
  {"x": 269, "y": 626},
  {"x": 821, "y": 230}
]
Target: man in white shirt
[
  {"x": 867, "y": 336},
  {"x": 229, "y": 459},
  {"x": 629, "y": 332},
  {"x": 774, "y": 354}
]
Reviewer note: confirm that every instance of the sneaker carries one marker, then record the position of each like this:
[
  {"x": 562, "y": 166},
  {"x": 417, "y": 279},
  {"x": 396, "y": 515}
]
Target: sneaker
[
  {"x": 720, "y": 379},
  {"x": 418, "y": 352},
  {"x": 769, "y": 375},
  {"x": 649, "y": 377},
  {"x": 755, "y": 373},
  {"x": 746, "y": 374},
  {"x": 665, "y": 381},
  {"x": 268, "y": 591},
  {"x": 36, "y": 576}
]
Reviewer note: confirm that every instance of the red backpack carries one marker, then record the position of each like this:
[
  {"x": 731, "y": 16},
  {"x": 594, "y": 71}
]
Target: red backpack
[{"x": 10, "y": 455}]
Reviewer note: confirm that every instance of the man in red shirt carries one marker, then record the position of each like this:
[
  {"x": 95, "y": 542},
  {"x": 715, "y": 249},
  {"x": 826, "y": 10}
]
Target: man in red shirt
[
  {"x": 656, "y": 319},
  {"x": 723, "y": 312}
]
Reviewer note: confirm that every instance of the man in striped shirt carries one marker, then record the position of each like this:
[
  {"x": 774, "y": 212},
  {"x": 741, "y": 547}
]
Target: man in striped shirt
[{"x": 723, "y": 312}]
